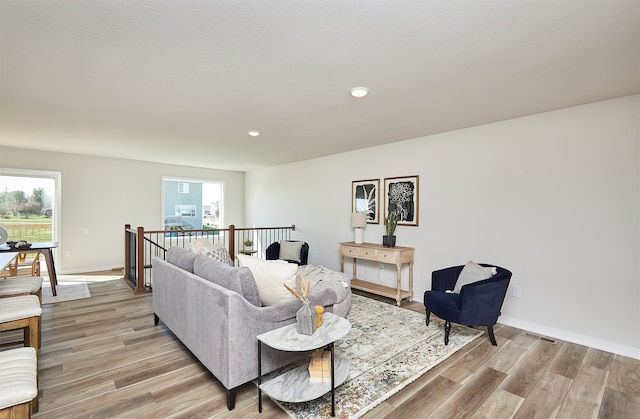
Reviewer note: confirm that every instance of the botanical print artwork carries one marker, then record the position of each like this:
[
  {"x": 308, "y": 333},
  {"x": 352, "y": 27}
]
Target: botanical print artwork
[
  {"x": 365, "y": 198},
  {"x": 401, "y": 198}
]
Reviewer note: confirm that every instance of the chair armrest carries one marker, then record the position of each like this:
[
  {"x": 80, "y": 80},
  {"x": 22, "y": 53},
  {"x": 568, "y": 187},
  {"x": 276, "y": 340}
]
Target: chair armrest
[{"x": 480, "y": 302}]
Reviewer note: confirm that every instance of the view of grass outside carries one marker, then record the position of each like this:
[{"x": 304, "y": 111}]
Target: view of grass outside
[
  {"x": 26, "y": 208},
  {"x": 36, "y": 229}
]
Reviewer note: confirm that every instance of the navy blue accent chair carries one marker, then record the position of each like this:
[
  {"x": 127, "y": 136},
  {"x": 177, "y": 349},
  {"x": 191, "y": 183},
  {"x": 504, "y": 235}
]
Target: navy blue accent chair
[
  {"x": 273, "y": 253},
  {"x": 478, "y": 303}
]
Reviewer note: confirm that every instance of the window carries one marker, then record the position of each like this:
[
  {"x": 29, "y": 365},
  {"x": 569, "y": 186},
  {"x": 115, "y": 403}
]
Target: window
[
  {"x": 192, "y": 204},
  {"x": 29, "y": 204}
]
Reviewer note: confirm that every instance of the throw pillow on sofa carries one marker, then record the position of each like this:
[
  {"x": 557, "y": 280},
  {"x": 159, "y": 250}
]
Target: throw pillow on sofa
[
  {"x": 270, "y": 277},
  {"x": 220, "y": 253},
  {"x": 217, "y": 251},
  {"x": 201, "y": 246}
]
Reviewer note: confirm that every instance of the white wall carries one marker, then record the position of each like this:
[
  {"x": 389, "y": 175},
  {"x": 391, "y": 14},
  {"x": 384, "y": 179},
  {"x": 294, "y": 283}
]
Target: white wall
[
  {"x": 104, "y": 194},
  {"x": 553, "y": 197}
]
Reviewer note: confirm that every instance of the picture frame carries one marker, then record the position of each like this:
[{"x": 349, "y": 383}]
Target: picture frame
[
  {"x": 401, "y": 195},
  {"x": 365, "y": 197}
]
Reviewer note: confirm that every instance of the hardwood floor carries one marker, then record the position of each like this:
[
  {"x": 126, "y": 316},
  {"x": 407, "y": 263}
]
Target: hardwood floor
[{"x": 102, "y": 357}]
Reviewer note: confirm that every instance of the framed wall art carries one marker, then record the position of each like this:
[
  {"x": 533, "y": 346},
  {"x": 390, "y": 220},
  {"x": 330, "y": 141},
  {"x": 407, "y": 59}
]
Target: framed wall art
[
  {"x": 401, "y": 197},
  {"x": 365, "y": 197}
]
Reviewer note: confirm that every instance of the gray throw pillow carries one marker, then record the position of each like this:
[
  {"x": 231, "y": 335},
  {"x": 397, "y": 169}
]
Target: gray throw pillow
[{"x": 472, "y": 272}]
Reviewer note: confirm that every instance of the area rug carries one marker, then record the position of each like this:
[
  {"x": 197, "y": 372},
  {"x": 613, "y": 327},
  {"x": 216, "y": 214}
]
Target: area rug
[
  {"x": 387, "y": 348},
  {"x": 66, "y": 291}
]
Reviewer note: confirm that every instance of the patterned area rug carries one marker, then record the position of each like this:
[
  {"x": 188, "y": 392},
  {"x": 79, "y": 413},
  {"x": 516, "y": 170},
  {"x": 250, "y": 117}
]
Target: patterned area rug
[
  {"x": 387, "y": 348},
  {"x": 66, "y": 291}
]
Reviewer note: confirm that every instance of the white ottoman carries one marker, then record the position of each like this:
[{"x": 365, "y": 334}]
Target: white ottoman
[
  {"x": 18, "y": 382},
  {"x": 339, "y": 282}
]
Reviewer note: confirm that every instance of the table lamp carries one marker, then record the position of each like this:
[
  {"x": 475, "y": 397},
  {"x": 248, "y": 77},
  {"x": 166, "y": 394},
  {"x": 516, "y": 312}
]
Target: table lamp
[{"x": 359, "y": 221}]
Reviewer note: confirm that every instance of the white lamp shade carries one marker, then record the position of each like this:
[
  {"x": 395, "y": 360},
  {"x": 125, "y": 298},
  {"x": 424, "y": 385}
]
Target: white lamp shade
[{"x": 358, "y": 219}]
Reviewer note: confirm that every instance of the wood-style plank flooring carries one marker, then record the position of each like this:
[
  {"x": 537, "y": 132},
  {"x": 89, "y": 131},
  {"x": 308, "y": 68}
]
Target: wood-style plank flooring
[{"x": 102, "y": 357}]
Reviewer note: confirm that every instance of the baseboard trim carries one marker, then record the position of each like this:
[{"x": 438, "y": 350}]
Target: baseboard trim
[
  {"x": 589, "y": 341},
  {"x": 86, "y": 270}
]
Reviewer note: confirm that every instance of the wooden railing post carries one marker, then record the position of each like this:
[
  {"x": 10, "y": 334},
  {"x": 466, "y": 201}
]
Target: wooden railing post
[
  {"x": 140, "y": 260},
  {"x": 126, "y": 251},
  {"x": 232, "y": 241}
]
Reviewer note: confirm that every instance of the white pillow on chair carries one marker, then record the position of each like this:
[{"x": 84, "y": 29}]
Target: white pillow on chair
[
  {"x": 290, "y": 250},
  {"x": 472, "y": 272}
]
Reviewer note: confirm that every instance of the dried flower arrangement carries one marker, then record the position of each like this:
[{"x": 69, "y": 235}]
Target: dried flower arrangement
[{"x": 302, "y": 291}]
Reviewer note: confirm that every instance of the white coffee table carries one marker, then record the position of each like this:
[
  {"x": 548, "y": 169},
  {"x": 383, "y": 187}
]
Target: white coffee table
[{"x": 294, "y": 386}]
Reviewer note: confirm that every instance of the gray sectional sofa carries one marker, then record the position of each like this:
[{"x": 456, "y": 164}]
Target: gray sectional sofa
[{"x": 215, "y": 311}]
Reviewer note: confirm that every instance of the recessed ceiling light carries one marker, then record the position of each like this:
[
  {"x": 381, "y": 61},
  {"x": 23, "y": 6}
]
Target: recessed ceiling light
[
  {"x": 253, "y": 132},
  {"x": 359, "y": 92}
]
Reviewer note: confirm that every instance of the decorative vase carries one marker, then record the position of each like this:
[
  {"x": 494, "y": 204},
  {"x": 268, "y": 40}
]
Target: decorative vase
[
  {"x": 389, "y": 241},
  {"x": 306, "y": 319}
]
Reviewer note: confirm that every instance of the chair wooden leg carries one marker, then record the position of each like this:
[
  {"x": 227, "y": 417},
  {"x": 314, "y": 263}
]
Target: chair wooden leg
[
  {"x": 40, "y": 320},
  {"x": 447, "y": 329},
  {"x": 18, "y": 411},
  {"x": 428, "y": 316},
  {"x": 32, "y": 333},
  {"x": 32, "y": 338},
  {"x": 492, "y": 337}
]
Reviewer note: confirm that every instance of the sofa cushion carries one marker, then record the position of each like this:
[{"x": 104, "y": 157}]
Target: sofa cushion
[
  {"x": 270, "y": 276},
  {"x": 290, "y": 250},
  {"x": 239, "y": 280},
  {"x": 472, "y": 272},
  {"x": 181, "y": 257}
]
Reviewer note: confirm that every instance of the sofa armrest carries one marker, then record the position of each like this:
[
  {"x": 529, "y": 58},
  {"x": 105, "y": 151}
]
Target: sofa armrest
[{"x": 287, "y": 310}]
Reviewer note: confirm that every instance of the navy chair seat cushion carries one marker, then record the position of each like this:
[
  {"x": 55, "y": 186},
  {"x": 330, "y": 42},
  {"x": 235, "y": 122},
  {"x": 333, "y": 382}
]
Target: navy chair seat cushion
[{"x": 446, "y": 305}]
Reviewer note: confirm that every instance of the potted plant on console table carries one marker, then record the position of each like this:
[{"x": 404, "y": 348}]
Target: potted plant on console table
[{"x": 390, "y": 224}]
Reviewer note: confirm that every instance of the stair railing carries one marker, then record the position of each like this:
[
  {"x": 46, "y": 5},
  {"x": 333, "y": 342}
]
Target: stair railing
[{"x": 141, "y": 246}]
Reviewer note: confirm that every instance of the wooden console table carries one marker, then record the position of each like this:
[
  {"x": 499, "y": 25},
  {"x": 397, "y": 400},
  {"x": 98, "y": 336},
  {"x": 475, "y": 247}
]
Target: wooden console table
[{"x": 393, "y": 255}]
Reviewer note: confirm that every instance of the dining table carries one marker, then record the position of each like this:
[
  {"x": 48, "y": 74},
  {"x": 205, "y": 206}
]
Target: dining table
[{"x": 46, "y": 248}]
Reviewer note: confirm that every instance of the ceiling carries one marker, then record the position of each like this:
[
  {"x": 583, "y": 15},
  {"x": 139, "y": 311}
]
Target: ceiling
[{"x": 182, "y": 82}]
